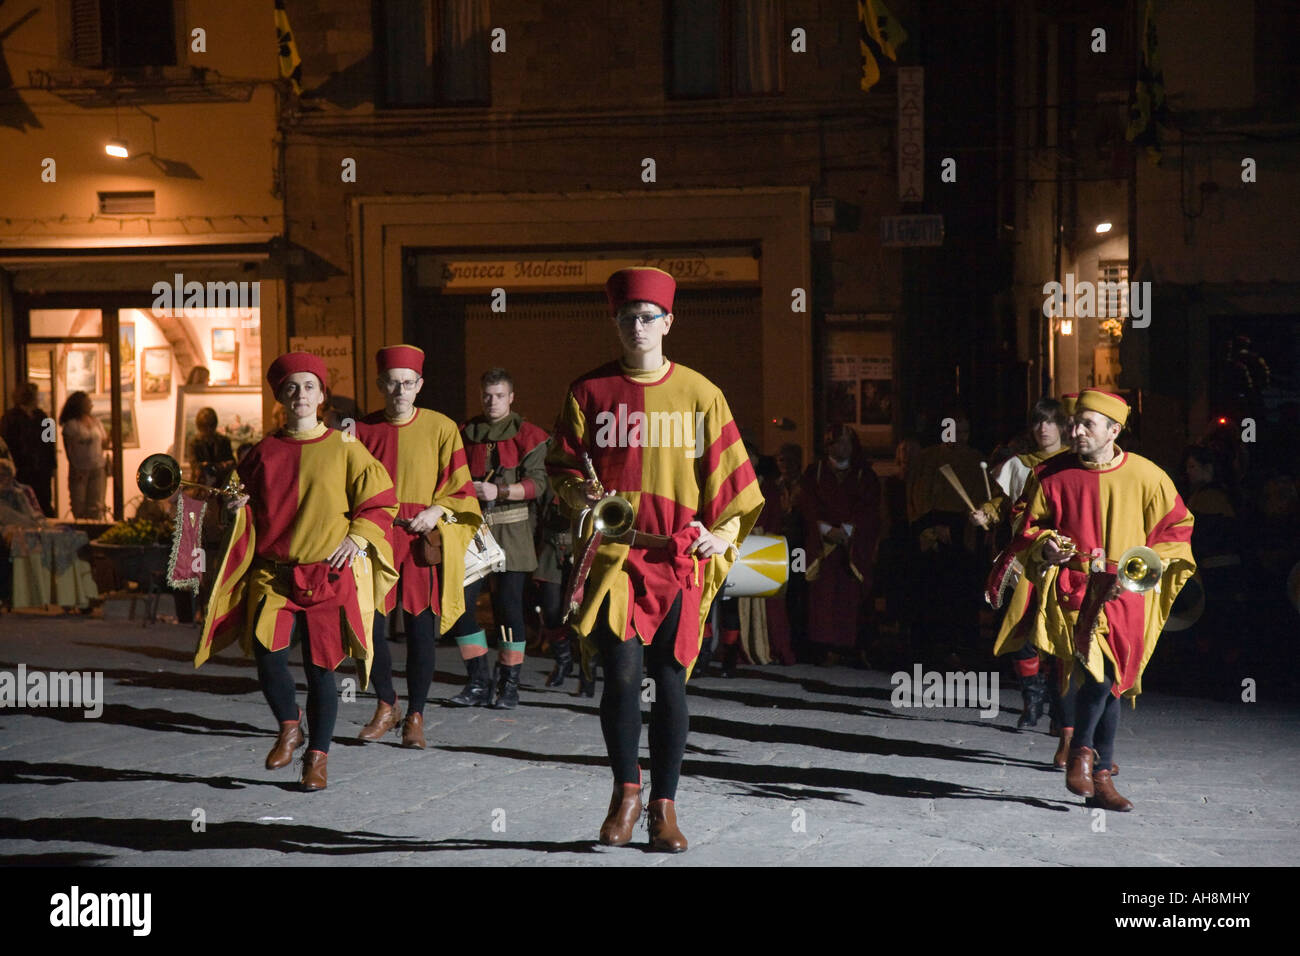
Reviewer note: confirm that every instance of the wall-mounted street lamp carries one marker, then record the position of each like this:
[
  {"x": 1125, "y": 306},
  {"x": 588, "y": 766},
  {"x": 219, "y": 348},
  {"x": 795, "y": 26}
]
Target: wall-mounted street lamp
[
  {"x": 1103, "y": 227},
  {"x": 117, "y": 148}
]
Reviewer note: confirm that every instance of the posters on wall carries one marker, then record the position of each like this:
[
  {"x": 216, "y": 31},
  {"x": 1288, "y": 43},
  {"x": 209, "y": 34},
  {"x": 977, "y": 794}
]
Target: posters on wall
[{"x": 861, "y": 389}]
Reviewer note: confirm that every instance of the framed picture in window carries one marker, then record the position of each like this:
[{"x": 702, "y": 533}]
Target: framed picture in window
[
  {"x": 156, "y": 373},
  {"x": 81, "y": 369},
  {"x": 238, "y": 410},
  {"x": 225, "y": 357},
  {"x": 103, "y": 410}
]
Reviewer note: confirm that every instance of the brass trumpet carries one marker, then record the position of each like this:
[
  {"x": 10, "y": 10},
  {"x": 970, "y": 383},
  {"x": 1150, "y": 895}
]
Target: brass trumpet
[
  {"x": 1139, "y": 569},
  {"x": 159, "y": 476},
  {"x": 612, "y": 516}
]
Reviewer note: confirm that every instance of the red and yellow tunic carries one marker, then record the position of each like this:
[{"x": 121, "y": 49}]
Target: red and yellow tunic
[
  {"x": 306, "y": 492},
  {"x": 665, "y": 440},
  {"x": 1108, "y": 509},
  {"x": 426, "y": 461}
]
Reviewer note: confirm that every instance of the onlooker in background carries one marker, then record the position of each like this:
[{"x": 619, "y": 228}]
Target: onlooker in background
[
  {"x": 898, "y": 552},
  {"x": 948, "y": 566},
  {"x": 23, "y": 428},
  {"x": 789, "y": 462},
  {"x": 210, "y": 453},
  {"x": 841, "y": 507},
  {"x": 83, "y": 443}
]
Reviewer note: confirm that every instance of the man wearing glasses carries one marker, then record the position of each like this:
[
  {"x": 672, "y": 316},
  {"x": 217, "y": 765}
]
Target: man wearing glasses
[
  {"x": 507, "y": 458},
  {"x": 662, "y": 437},
  {"x": 422, "y": 452}
]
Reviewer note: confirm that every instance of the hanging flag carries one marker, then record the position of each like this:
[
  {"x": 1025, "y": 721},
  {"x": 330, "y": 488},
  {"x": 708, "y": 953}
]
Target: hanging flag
[
  {"x": 1149, "y": 111},
  {"x": 290, "y": 61},
  {"x": 879, "y": 31}
]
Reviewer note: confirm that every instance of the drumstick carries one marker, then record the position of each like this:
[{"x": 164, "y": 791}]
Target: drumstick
[
  {"x": 988, "y": 492},
  {"x": 948, "y": 473}
]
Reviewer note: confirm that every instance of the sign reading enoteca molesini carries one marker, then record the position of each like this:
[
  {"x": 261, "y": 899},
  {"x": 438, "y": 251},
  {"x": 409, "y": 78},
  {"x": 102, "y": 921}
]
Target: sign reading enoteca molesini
[{"x": 688, "y": 267}]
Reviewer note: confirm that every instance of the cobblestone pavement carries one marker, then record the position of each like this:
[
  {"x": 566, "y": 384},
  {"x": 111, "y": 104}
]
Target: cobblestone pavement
[{"x": 785, "y": 766}]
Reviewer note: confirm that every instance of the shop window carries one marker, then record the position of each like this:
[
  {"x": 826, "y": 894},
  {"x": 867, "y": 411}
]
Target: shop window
[
  {"x": 147, "y": 372},
  {"x": 724, "y": 48},
  {"x": 123, "y": 34},
  {"x": 1113, "y": 271},
  {"x": 435, "y": 52}
]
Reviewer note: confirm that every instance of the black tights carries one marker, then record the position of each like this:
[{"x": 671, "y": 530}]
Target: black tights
[
  {"x": 1097, "y": 714},
  {"x": 552, "y": 595},
  {"x": 282, "y": 694},
  {"x": 620, "y": 704},
  {"x": 421, "y": 639},
  {"x": 507, "y": 605}
]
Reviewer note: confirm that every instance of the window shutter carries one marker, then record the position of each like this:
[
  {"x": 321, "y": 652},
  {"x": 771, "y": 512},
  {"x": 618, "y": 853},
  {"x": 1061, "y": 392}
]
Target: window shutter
[{"x": 87, "y": 41}]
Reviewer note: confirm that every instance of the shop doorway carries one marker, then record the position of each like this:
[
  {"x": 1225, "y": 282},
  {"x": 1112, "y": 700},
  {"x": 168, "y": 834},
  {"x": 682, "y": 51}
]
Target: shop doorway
[{"x": 146, "y": 373}]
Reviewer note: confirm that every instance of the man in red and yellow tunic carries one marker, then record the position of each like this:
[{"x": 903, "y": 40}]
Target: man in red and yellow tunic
[
  {"x": 662, "y": 437},
  {"x": 308, "y": 560},
  {"x": 422, "y": 453},
  {"x": 1105, "y": 500}
]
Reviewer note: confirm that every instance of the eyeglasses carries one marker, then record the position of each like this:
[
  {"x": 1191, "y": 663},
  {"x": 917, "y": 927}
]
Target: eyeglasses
[
  {"x": 641, "y": 318},
  {"x": 402, "y": 386}
]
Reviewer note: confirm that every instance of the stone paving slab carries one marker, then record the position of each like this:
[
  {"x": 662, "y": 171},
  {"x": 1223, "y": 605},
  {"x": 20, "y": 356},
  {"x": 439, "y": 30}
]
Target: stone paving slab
[{"x": 796, "y": 766}]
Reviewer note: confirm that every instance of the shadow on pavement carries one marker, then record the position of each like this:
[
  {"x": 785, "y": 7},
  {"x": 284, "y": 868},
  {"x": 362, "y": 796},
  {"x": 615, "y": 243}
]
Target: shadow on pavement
[
  {"x": 168, "y": 653},
  {"x": 881, "y": 784},
  {"x": 848, "y": 743},
  {"x": 154, "y": 718},
  {"x": 176, "y": 835},
  {"x": 53, "y": 859},
  {"x": 52, "y": 774}
]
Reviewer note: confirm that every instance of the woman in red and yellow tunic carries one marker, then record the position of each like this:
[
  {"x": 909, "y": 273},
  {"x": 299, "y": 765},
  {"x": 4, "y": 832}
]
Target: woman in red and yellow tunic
[{"x": 308, "y": 560}]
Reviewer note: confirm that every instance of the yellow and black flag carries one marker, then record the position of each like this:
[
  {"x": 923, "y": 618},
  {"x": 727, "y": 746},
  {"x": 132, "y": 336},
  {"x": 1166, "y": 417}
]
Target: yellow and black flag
[
  {"x": 878, "y": 31},
  {"x": 290, "y": 61},
  {"x": 1149, "y": 111}
]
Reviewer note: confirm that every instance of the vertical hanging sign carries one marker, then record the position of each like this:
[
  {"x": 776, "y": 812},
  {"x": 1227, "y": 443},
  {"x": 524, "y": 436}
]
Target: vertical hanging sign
[{"x": 911, "y": 133}]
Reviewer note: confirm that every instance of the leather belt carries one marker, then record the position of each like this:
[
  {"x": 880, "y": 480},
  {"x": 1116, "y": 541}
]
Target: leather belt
[
  {"x": 642, "y": 539},
  {"x": 513, "y": 516}
]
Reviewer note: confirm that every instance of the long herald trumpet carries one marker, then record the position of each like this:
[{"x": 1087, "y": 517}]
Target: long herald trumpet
[
  {"x": 612, "y": 516},
  {"x": 159, "y": 476}
]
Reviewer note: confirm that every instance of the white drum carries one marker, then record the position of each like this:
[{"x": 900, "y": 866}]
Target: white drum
[{"x": 763, "y": 568}]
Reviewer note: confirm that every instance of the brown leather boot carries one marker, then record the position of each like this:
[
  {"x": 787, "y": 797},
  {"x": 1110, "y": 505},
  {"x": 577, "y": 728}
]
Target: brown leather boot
[
  {"x": 624, "y": 809},
  {"x": 387, "y": 716},
  {"x": 313, "y": 770},
  {"x": 1061, "y": 757},
  {"x": 413, "y": 732},
  {"x": 290, "y": 739},
  {"x": 665, "y": 837},
  {"x": 1105, "y": 795},
  {"x": 1078, "y": 775}
]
